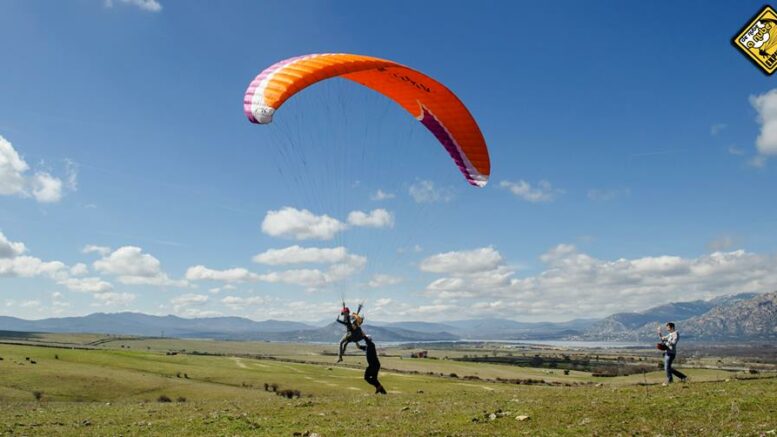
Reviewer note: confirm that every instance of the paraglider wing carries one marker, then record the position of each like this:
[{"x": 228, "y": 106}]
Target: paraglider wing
[{"x": 427, "y": 100}]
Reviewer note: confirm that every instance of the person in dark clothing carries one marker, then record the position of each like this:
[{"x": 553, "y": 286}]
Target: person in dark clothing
[
  {"x": 353, "y": 329},
  {"x": 373, "y": 365},
  {"x": 670, "y": 342}
]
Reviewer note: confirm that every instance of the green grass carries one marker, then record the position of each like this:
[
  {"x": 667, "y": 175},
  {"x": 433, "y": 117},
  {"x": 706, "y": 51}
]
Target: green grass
[{"x": 112, "y": 392}]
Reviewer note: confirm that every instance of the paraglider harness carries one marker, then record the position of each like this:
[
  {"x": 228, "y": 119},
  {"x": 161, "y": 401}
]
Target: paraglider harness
[{"x": 353, "y": 328}]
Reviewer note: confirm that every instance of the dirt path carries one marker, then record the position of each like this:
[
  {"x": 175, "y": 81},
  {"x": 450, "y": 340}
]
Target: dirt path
[{"x": 484, "y": 387}]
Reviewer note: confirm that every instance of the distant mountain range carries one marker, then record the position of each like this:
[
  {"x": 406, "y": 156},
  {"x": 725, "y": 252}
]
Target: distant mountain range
[{"x": 746, "y": 316}]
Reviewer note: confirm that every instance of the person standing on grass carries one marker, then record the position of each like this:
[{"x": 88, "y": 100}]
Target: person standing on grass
[
  {"x": 373, "y": 365},
  {"x": 670, "y": 341}
]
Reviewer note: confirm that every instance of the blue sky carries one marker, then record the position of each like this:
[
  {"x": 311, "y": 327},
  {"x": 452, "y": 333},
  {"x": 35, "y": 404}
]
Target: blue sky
[{"x": 630, "y": 147}]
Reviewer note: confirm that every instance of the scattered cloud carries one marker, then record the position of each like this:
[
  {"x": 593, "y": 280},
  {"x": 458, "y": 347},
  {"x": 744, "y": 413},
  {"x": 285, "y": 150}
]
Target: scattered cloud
[
  {"x": 241, "y": 303},
  {"x": 189, "y": 305},
  {"x": 382, "y": 195},
  {"x": 734, "y": 150},
  {"x": 202, "y": 273},
  {"x": 114, "y": 299},
  {"x": 30, "y": 304},
  {"x": 301, "y": 225},
  {"x": 12, "y": 170},
  {"x": 71, "y": 175},
  {"x": 342, "y": 265},
  {"x": 46, "y": 188},
  {"x": 58, "y": 303},
  {"x": 29, "y": 266},
  {"x": 467, "y": 261},
  {"x": 542, "y": 192},
  {"x": 189, "y": 299},
  {"x": 41, "y": 185},
  {"x": 574, "y": 284},
  {"x": 101, "y": 250},
  {"x": 299, "y": 255},
  {"x": 79, "y": 269},
  {"x": 607, "y": 194},
  {"x": 377, "y": 218},
  {"x": 382, "y": 280},
  {"x": 145, "y": 5},
  {"x": 87, "y": 285},
  {"x": 315, "y": 278},
  {"x": 766, "y": 106},
  {"x": 717, "y": 128},
  {"x": 133, "y": 267},
  {"x": 426, "y": 192},
  {"x": 10, "y": 249}
]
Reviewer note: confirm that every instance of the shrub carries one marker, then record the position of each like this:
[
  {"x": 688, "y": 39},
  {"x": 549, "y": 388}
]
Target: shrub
[
  {"x": 163, "y": 398},
  {"x": 56, "y": 357},
  {"x": 180, "y": 399},
  {"x": 178, "y": 375},
  {"x": 752, "y": 371},
  {"x": 38, "y": 395},
  {"x": 274, "y": 387},
  {"x": 266, "y": 387},
  {"x": 453, "y": 375},
  {"x": 566, "y": 371},
  {"x": 186, "y": 375},
  {"x": 33, "y": 362}
]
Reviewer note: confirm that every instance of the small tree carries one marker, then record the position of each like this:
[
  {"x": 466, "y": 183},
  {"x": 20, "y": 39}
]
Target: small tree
[{"x": 38, "y": 395}]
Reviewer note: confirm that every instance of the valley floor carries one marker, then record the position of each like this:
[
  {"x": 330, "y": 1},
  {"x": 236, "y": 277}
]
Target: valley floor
[{"x": 110, "y": 391}]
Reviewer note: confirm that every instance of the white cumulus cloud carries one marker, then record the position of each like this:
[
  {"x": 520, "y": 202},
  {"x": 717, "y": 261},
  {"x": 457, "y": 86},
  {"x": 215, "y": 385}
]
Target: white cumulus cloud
[
  {"x": 542, "y": 192},
  {"x": 87, "y": 285},
  {"x": 15, "y": 179},
  {"x": 46, "y": 188},
  {"x": 10, "y": 249},
  {"x": 133, "y": 267},
  {"x": 302, "y": 224},
  {"x": 29, "y": 266},
  {"x": 766, "y": 106},
  {"x": 377, "y": 218},
  {"x": 467, "y": 261},
  {"x": 426, "y": 192},
  {"x": 299, "y": 255},
  {"x": 79, "y": 269},
  {"x": 238, "y": 274},
  {"x": 575, "y": 284}
]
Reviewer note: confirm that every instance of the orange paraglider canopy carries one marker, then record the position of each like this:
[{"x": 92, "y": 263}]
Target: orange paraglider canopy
[{"x": 427, "y": 100}]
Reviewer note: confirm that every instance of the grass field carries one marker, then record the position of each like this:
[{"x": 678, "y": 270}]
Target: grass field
[{"x": 114, "y": 390}]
